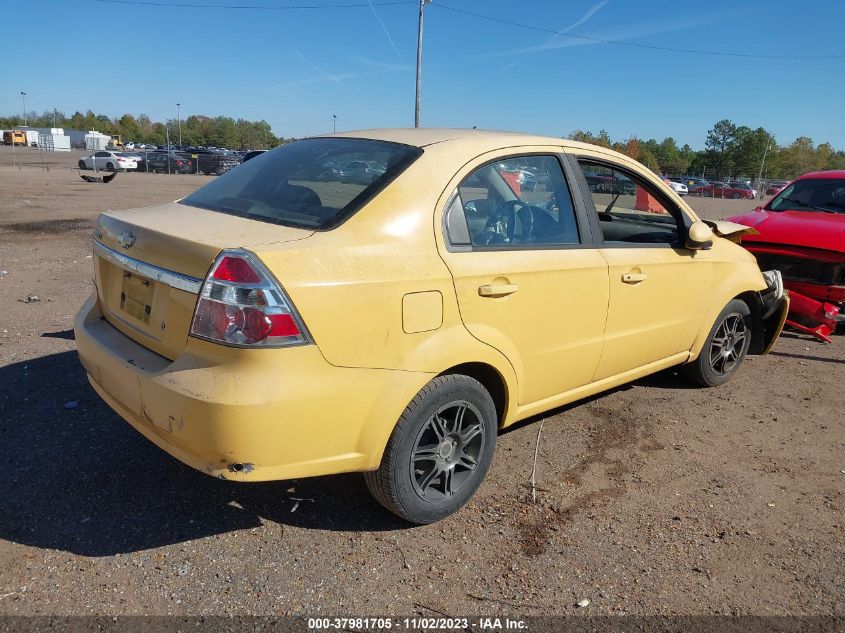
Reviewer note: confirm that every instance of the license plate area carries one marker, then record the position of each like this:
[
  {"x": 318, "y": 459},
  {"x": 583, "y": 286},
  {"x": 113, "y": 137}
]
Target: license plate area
[{"x": 136, "y": 297}]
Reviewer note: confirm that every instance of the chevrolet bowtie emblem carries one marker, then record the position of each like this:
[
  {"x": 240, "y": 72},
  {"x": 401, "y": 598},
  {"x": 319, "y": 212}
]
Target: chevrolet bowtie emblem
[{"x": 126, "y": 239}]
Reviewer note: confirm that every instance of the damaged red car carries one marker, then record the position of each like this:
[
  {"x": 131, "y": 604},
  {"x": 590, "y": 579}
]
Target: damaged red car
[{"x": 801, "y": 232}]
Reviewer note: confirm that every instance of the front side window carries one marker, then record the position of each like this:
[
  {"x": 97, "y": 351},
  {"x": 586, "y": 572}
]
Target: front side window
[
  {"x": 627, "y": 210},
  {"x": 520, "y": 201},
  {"x": 314, "y": 183}
]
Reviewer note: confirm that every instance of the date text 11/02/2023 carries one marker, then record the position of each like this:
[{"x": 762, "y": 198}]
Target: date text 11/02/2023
[{"x": 417, "y": 624}]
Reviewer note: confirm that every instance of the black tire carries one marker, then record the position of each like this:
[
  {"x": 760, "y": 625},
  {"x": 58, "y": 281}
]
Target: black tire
[
  {"x": 110, "y": 166},
  {"x": 418, "y": 494},
  {"x": 82, "y": 164},
  {"x": 736, "y": 196},
  {"x": 707, "y": 194},
  {"x": 723, "y": 351}
]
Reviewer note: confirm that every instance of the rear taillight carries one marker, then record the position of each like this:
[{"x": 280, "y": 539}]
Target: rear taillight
[{"x": 241, "y": 304}]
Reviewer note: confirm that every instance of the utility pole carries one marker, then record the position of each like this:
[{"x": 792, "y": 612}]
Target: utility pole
[
  {"x": 334, "y": 123},
  {"x": 23, "y": 100},
  {"x": 179, "y": 121},
  {"x": 55, "y": 114},
  {"x": 762, "y": 164},
  {"x": 419, "y": 61}
]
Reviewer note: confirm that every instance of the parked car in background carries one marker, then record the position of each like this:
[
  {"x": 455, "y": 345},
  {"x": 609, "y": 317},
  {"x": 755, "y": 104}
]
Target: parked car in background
[
  {"x": 395, "y": 325},
  {"x": 140, "y": 159},
  {"x": 598, "y": 183},
  {"x": 168, "y": 162},
  {"x": 724, "y": 190},
  {"x": 678, "y": 187},
  {"x": 252, "y": 154},
  {"x": 801, "y": 232},
  {"x": 741, "y": 184},
  {"x": 108, "y": 160},
  {"x": 694, "y": 185},
  {"x": 520, "y": 179},
  {"x": 211, "y": 162},
  {"x": 352, "y": 171},
  {"x": 774, "y": 187}
]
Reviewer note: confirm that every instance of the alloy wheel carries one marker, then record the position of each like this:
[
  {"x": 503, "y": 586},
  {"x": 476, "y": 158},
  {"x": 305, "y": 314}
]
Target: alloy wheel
[
  {"x": 728, "y": 344},
  {"x": 447, "y": 450}
]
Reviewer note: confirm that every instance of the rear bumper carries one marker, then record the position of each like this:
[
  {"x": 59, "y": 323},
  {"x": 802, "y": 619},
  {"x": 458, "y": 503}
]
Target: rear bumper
[{"x": 246, "y": 415}]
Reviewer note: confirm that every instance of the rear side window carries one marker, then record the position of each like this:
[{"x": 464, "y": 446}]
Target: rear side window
[
  {"x": 514, "y": 202},
  {"x": 314, "y": 183}
]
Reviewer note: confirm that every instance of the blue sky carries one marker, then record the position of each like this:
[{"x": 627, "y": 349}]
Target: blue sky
[{"x": 297, "y": 68}]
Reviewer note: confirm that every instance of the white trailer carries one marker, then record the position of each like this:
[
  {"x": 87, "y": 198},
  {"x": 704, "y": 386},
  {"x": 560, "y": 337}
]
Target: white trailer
[
  {"x": 32, "y": 138},
  {"x": 96, "y": 141},
  {"x": 54, "y": 142}
]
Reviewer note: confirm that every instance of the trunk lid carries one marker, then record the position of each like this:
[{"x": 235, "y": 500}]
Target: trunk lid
[{"x": 149, "y": 265}]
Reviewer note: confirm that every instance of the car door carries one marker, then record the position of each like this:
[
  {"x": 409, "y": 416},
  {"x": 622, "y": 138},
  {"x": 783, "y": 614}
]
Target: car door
[
  {"x": 528, "y": 278},
  {"x": 658, "y": 288}
]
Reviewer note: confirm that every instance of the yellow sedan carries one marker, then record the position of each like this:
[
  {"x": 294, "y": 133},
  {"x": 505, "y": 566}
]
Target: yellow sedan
[{"x": 385, "y": 301}]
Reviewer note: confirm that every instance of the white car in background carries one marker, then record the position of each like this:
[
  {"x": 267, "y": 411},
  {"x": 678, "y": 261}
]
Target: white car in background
[
  {"x": 108, "y": 160},
  {"x": 678, "y": 187}
]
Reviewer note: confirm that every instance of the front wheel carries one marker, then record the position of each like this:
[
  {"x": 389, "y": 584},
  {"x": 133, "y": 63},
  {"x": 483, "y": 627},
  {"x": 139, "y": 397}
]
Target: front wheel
[
  {"x": 725, "y": 347},
  {"x": 439, "y": 452},
  {"x": 82, "y": 164}
]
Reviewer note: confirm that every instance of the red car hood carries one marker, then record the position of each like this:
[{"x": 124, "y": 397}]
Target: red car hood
[{"x": 797, "y": 228}]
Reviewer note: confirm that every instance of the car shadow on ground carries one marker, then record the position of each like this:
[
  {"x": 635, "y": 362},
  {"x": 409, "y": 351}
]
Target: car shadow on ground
[{"x": 78, "y": 478}]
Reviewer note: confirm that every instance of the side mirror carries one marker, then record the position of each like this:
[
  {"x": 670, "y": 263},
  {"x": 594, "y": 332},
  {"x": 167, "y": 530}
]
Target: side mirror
[{"x": 699, "y": 236}]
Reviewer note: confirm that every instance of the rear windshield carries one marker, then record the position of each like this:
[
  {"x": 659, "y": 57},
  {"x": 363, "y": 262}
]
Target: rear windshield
[{"x": 314, "y": 183}]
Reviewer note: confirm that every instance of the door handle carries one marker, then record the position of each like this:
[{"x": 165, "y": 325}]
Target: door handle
[
  {"x": 497, "y": 290},
  {"x": 634, "y": 278}
]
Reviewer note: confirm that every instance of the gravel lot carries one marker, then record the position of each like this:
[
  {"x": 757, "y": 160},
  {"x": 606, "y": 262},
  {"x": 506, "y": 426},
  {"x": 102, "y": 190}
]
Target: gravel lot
[{"x": 656, "y": 498}]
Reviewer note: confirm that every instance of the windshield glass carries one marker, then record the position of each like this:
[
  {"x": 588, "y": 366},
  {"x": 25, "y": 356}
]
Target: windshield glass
[
  {"x": 812, "y": 194},
  {"x": 314, "y": 183}
]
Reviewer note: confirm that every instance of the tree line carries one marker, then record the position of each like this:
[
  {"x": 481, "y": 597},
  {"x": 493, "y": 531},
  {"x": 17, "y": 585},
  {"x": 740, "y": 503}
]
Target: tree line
[
  {"x": 197, "y": 130},
  {"x": 730, "y": 151}
]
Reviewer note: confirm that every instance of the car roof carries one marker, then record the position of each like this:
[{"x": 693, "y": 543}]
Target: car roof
[
  {"x": 423, "y": 137},
  {"x": 831, "y": 173}
]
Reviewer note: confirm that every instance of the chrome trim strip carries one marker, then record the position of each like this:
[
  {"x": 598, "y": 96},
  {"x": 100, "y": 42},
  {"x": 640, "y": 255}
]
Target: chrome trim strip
[{"x": 162, "y": 275}]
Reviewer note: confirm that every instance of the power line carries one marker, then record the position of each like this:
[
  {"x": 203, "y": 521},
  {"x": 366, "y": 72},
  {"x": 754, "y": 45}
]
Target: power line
[
  {"x": 440, "y": 5},
  {"x": 349, "y": 5}
]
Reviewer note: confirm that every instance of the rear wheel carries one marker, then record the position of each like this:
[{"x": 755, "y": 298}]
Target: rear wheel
[
  {"x": 736, "y": 196},
  {"x": 725, "y": 347},
  {"x": 110, "y": 166},
  {"x": 439, "y": 452}
]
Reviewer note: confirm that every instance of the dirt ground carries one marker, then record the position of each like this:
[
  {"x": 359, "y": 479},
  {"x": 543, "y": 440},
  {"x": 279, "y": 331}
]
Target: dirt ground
[{"x": 656, "y": 498}]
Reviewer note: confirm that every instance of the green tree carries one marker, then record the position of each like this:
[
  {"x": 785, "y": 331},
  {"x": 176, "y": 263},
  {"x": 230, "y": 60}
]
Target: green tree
[{"x": 721, "y": 140}]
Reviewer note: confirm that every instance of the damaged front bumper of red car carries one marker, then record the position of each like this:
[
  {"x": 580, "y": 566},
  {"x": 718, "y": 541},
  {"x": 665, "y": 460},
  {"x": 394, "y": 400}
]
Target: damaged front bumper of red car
[
  {"x": 815, "y": 279},
  {"x": 818, "y": 318}
]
